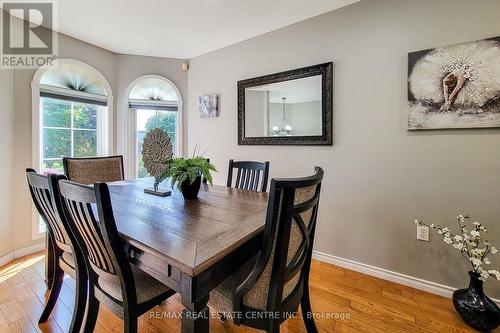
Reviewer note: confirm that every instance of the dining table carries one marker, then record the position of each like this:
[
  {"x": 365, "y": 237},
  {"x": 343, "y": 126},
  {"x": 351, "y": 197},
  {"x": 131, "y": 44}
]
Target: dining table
[{"x": 189, "y": 245}]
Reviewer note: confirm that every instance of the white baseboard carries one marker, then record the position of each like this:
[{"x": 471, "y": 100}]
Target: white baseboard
[
  {"x": 410, "y": 281},
  {"x": 5, "y": 259},
  {"x": 24, "y": 251}
]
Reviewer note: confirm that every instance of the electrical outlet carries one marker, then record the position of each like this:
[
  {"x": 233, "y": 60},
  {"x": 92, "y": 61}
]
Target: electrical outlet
[{"x": 423, "y": 233}]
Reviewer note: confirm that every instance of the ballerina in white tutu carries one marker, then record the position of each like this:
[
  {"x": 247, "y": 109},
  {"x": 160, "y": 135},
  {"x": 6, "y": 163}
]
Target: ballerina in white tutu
[{"x": 462, "y": 78}]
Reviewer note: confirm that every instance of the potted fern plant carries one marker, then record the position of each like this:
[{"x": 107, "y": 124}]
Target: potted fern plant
[{"x": 185, "y": 174}]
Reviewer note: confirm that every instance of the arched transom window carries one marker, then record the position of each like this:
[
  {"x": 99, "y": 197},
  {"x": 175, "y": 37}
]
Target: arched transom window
[{"x": 155, "y": 102}]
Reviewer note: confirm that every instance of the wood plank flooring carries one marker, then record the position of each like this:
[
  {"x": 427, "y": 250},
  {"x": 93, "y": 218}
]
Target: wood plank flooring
[{"x": 344, "y": 301}]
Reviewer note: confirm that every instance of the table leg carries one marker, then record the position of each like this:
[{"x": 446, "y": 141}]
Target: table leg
[{"x": 194, "y": 293}]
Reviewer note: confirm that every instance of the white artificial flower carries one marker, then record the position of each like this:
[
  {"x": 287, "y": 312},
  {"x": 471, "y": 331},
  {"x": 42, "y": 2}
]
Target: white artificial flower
[
  {"x": 440, "y": 232},
  {"x": 484, "y": 276},
  {"x": 475, "y": 233},
  {"x": 458, "y": 246},
  {"x": 457, "y": 238},
  {"x": 476, "y": 223},
  {"x": 487, "y": 261},
  {"x": 495, "y": 273},
  {"x": 476, "y": 262},
  {"x": 447, "y": 240},
  {"x": 494, "y": 250}
]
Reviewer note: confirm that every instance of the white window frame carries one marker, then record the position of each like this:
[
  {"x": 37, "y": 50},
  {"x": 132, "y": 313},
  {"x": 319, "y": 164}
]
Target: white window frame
[
  {"x": 127, "y": 118},
  {"x": 105, "y": 146}
]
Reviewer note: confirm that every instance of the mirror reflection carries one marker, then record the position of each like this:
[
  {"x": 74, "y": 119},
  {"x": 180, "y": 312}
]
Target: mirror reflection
[{"x": 288, "y": 108}]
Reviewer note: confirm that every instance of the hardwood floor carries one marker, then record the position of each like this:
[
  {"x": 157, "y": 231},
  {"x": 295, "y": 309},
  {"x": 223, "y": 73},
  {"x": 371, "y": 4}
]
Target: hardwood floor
[{"x": 344, "y": 300}]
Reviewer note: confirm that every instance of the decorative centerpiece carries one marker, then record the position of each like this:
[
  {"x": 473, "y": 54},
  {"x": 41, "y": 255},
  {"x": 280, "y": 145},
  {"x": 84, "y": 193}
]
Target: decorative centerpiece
[
  {"x": 156, "y": 149},
  {"x": 475, "y": 308},
  {"x": 186, "y": 173}
]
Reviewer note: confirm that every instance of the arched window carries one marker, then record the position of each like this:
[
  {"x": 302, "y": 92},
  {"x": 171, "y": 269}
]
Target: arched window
[
  {"x": 153, "y": 102},
  {"x": 72, "y": 108}
]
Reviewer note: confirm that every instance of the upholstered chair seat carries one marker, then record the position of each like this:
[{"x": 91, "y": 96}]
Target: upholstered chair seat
[
  {"x": 68, "y": 259},
  {"x": 147, "y": 287}
]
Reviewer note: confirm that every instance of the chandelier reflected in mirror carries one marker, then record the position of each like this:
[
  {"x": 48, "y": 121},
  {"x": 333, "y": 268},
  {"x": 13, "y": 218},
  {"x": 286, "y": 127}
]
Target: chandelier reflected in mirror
[{"x": 285, "y": 129}]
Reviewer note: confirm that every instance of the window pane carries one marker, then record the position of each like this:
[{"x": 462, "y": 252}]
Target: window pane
[
  {"x": 55, "y": 112},
  {"x": 52, "y": 166},
  {"x": 56, "y": 143},
  {"x": 85, "y": 144},
  {"x": 148, "y": 120},
  {"x": 84, "y": 116}
]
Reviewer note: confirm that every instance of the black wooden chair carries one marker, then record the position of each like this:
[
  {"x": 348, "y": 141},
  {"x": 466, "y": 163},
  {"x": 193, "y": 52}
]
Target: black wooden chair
[
  {"x": 276, "y": 281},
  {"x": 120, "y": 285},
  {"x": 90, "y": 170},
  {"x": 44, "y": 193},
  {"x": 249, "y": 174}
]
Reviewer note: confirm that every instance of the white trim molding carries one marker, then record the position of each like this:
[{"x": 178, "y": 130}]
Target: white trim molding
[
  {"x": 406, "y": 280},
  {"x": 5, "y": 259}
]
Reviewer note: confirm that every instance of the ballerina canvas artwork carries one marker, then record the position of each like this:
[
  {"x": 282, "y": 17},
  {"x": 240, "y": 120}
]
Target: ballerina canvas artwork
[{"x": 455, "y": 86}]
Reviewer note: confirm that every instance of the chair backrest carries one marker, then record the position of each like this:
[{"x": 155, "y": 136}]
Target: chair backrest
[
  {"x": 90, "y": 170},
  {"x": 98, "y": 238},
  {"x": 285, "y": 258},
  {"x": 249, "y": 175},
  {"x": 44, "y": 200}
]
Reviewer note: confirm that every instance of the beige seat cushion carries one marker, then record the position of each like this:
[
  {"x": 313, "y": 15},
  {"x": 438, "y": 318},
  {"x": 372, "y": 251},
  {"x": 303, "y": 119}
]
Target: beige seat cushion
[
  {"x": 146, "y": 286},
  {"x": 68, "y": 258}
]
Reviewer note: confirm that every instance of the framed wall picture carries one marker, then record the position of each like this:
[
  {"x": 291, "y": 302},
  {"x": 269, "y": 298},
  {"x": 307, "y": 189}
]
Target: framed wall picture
[
  {"x": 209, "y": 106},
  {"x": 455, "y": 86}
]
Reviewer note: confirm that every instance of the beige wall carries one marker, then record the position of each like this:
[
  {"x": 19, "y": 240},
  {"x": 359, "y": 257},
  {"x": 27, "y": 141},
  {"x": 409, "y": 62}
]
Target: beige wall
[
  {"x": 6, "y": 112},
  {"x": 378, "y": 176},
  {"x": 119, "y": 70}
]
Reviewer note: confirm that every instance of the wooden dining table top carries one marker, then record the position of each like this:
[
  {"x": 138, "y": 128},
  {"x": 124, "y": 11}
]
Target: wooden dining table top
[{"x": 190, "y": 234}]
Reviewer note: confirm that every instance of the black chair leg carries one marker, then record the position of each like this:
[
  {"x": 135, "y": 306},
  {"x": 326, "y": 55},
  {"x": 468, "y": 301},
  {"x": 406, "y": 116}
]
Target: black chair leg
[
  {"x": 130, "y": 322},
  {"x": 80, "y": 307},
  {"x": 92, "y": 311},
  {"x": 307, "y": 314},
  {"x": 58, "y": 278},
  {"x": 274, "y": 329}
]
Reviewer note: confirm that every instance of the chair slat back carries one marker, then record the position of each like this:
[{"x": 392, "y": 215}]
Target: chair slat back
[
  {"x": 43, "y": 201},
  {"x": 90, "y": 170},
  {"x": 250, "y": 175},
  {"x": 80, "y": 208}
]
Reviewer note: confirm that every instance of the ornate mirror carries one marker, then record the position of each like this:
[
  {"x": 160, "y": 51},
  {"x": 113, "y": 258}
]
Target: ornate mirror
[{"x": 287, "y": 108}]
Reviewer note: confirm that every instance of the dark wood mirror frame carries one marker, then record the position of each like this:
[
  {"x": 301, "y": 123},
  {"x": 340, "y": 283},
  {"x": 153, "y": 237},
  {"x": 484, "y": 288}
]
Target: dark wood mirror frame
[{"x": 325, "y": 139}]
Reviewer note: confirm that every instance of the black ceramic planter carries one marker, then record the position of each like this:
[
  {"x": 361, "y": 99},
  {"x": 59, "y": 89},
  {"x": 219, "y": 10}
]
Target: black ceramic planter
[
  {"x": 476, "y": 309},
  {"x": 190, "y": 191}
]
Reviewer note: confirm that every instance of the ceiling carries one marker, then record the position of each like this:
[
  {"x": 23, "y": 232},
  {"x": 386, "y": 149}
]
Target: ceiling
[{"x": 180, "y": 28}]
